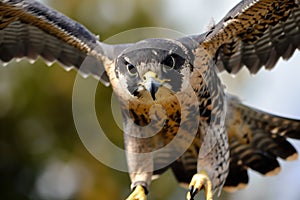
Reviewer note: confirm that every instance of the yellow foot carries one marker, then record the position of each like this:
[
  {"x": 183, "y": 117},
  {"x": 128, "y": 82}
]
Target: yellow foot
[
  {"x": 200, "y": 181},
  {"x": 138, "y": 194}
]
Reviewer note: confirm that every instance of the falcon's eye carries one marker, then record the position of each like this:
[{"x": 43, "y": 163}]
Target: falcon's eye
[
  {"x": 169, "y": 62},
  {"x": 131, "y": 69}
]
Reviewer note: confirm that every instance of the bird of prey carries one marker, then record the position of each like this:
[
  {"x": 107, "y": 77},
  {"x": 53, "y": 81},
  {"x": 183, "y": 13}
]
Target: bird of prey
[{"x": 176, "y": 113}]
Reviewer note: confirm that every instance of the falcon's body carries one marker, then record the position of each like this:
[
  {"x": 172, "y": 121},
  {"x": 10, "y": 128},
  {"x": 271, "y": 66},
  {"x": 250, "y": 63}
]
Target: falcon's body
[{"x": 176, "y": 113}]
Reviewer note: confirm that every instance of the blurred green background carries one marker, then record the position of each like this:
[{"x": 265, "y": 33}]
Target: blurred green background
[{"x": 41, "y": 155}]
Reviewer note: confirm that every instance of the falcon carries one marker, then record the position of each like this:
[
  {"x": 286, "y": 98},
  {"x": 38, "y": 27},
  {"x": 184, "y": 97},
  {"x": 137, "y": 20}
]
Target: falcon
[{"x": 176, "y": 112}]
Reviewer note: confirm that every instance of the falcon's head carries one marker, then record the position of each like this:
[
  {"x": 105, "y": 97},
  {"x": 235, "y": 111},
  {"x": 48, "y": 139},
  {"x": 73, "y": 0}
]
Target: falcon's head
[{"x": 153, "y": 68}]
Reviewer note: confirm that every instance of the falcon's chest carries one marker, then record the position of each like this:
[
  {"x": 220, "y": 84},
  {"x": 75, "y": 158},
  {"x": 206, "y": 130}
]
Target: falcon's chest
[
  {"x": 162, "y": 117},
  {"x": 166, "y": 116}
]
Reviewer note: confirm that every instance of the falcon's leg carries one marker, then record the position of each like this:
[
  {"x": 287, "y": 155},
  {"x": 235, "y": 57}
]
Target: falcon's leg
[
  {"x": 139, "y": 160},
  {"x": 200, "y": 181},
  {"x": 212, "y": 164},
  {"x": 140, "y": 167}
]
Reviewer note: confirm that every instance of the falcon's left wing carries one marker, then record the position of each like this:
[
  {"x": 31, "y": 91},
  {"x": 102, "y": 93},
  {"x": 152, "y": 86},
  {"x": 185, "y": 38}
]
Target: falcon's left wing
[
  {"x": 255, "y": 34},
  {"x": 31, "y": 29},
  {"x": 257, "y": 140}
]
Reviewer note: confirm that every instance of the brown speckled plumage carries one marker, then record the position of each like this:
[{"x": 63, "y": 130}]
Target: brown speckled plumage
[{"x": 176, "y": 113}]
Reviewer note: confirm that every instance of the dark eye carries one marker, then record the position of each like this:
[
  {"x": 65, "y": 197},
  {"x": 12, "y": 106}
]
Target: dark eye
[
  {"x": 131, "y": 69},
  {"x": 169, "y": 62}
]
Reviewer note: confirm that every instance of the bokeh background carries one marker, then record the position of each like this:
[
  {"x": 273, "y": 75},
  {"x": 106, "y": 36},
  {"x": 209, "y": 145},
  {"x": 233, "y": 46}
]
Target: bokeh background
[{"x": 41, "y": 155}]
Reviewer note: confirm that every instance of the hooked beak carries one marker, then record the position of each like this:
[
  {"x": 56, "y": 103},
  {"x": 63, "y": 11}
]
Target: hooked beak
[{"x": 152, "y": 83}]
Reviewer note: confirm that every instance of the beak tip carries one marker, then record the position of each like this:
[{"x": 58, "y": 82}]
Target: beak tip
[{"x": 153, "y": 89}]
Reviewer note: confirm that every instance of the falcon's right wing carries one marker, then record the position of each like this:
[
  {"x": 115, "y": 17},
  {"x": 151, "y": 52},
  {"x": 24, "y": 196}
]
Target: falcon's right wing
[{"x": 31, "y": 29}]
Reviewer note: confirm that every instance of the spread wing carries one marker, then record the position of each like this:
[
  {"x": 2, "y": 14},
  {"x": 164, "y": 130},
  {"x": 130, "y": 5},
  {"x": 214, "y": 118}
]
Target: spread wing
[
  {"x": 31, "y": 29},
  {"x": 257, "y": 139},
  {"x": 255, "y": 34}
]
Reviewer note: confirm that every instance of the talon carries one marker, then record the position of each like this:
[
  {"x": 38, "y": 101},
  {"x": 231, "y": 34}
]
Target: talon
[
  {"x": 192, "y": 193},
  {"x": 198, "y": 182},
  {"x": 138, "y": 194}
]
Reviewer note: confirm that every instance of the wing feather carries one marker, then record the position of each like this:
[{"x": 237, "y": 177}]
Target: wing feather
[
  {"x": 31, "y": 29},
  {"x": 257, "y": 139},
  {"x": 255, "y": 34}
]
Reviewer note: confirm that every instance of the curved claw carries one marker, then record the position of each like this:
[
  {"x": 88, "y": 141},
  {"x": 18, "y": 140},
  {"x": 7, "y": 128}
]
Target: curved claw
[
  {"x": 138, "y": 194},
  {"x": 200, "y": 181},
  {"x": 192, "y": 193}
]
